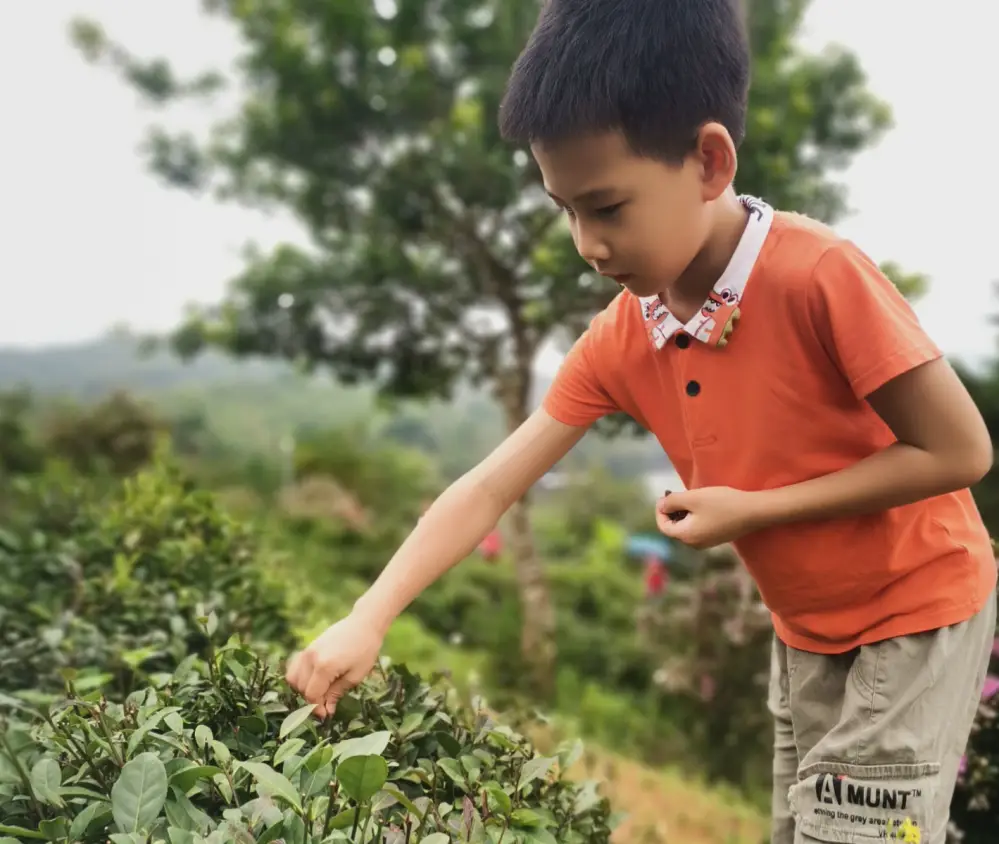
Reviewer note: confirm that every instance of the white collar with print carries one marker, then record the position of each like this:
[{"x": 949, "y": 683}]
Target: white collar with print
[{"x": 713, "y": 322}]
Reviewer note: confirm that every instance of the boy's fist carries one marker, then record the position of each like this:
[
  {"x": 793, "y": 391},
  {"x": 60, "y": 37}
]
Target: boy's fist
[{"x": 336, "y": 661}]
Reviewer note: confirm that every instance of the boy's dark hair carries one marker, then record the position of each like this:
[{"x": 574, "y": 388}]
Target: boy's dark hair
[{"x": 656, "y": 70}]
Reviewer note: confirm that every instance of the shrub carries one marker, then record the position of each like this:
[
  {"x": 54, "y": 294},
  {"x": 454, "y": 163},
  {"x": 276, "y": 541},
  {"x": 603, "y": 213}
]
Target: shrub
[
  {"x": 111, "y": 582},
  {"x": 714, "y": 636},
  {"x": 221, "y": 752},
  {"x": 118, "y": 434},
  {"x": 975, "y": 806}
]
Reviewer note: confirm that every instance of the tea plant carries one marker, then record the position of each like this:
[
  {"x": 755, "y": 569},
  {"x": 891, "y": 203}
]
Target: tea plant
[
  {"x": 221, "y": 751},
  {"x": 114, "y": 580}
]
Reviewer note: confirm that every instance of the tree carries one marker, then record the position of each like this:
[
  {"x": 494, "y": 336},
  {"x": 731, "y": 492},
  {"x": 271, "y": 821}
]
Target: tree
[{"x": 435, "y": 256}]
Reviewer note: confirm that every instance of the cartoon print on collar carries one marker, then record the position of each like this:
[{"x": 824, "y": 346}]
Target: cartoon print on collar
[{"x": 716, "y": 319}]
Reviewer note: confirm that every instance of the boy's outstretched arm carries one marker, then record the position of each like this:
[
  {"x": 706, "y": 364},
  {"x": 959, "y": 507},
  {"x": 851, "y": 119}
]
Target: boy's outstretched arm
[{"x": 448, "y": 532}]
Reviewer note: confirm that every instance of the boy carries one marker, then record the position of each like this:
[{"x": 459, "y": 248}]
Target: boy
[{"x": 812, "y": 421}]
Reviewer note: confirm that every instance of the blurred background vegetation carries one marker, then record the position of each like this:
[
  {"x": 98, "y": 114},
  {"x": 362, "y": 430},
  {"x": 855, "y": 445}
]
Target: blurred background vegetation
[{"x": 265, "y": 459}]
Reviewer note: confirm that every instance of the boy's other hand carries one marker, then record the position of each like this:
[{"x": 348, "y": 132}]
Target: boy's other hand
[
  {"x": 336, "y": 661},
  {"x": 704, "y": 518}
]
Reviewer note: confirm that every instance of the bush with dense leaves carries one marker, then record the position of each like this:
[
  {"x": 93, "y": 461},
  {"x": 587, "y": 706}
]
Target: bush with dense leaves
[
  {"x": 975, "y": 807},
  {"x": 714, "y": 636},
  {"x": 222, "y": 752},
  {"x": 114, "y": 582}
]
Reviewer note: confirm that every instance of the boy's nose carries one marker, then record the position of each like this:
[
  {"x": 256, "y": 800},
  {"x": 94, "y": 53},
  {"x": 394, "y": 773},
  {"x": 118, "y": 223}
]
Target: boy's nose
[{"x": 592, "y": 249}]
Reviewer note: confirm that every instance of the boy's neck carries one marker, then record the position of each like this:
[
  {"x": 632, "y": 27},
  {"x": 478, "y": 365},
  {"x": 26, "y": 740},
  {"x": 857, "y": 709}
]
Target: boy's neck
[{"x": 687, "y": 296}]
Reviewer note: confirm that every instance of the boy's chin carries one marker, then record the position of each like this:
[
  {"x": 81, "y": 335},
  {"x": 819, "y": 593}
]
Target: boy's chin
[{"x": 642, "y": 288}]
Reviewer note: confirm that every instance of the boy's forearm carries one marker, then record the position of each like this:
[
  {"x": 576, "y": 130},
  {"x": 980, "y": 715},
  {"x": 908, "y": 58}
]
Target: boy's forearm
[
  {"x": 449, "y": 531},
  {"x": 900, "y": 474}
]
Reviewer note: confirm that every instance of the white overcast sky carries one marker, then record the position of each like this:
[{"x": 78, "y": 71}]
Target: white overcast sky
[{"x": 88, "y": 239}]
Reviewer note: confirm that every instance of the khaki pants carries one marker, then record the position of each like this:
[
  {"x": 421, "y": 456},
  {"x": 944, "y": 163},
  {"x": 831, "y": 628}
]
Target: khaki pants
[{"x": 867, "y": 743}]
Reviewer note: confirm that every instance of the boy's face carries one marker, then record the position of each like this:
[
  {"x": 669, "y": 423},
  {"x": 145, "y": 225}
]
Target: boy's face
[{"x": 636, "y": 220}]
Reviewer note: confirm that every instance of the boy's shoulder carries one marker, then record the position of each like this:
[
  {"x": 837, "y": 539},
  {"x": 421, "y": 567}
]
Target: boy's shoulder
[{"x": 797, "y": 244}]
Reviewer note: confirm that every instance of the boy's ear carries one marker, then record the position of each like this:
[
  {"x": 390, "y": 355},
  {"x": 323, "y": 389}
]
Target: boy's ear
[{"x": 716, "y": 156}]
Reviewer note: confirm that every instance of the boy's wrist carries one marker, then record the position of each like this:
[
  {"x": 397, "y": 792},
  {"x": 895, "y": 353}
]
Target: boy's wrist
[
  {"x": 768, "y": 507},
  {"x": 373, "y": 613}
]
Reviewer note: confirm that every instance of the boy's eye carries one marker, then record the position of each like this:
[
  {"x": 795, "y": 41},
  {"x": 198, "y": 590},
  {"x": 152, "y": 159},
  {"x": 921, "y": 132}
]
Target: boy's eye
[{"x": 608, "y": 210}]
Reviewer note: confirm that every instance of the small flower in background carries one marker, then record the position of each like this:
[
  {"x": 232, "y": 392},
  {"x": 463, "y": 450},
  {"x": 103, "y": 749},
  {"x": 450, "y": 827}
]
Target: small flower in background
[{"x": 991, "y": 686}]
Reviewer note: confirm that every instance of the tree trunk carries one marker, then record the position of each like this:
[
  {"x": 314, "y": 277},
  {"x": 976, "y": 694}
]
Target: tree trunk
[{"x": 537, "y": 635}]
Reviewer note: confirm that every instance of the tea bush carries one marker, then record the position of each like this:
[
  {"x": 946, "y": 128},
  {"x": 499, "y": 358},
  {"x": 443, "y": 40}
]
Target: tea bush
[
  {"x": 222, "y": 752},
  {"x": 114, "y": 581}
]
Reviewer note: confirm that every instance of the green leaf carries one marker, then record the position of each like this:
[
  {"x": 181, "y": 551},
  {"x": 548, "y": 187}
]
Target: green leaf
[
  {"x": 294, "y": 829},
  {"x": 538, "y": 835},
  {"x": 277, "y": 785},
  {"x": 221, "y": 752},
  {"x": 411, "y": 723},
  {"x": 569, "y": 756},
  {"x": 186, "y": 778},
  {"x": 373, "y": 744},
  {"x": 181, "y": 836},
  {"x": 343, "y": 819},
  {"x": 138, "y": 796},
  {"x": 295, "y": 720},
  {"x": 54, "y": 829},
  {"x": 87, "y": 818},
  {"x": 499, "y": 800},
  {"x": 288, "y": 749},
  {"x": 21, "y": 832},
  {"x": 535, "y": 769},
  {"x": 361, "y": 777},
  {"x": 127, "y": 838},
  {"x": 203, "y": 736},
  {"x": 252, "y": 724},
  {"x": 175, "y": 722},
  {"x": 453, "y": 769},
  {"x": 449, "y": 743},
  {"x": 525, "y": 817},
  {"x": 46, "y": 777},
  {"x": 150, "y": 724},
  {"x": 79, "y": 791},
  {"x": 404, "y": 800},
  {"x": 435, "y": 838}
]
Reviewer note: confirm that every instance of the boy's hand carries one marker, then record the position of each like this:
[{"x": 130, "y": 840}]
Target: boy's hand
[
  {"x": 704, "y": 518},
  {"x": 339, "y": 658}
]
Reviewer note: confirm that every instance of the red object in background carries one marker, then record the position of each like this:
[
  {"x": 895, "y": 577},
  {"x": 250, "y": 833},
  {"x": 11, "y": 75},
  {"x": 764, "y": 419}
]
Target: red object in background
[
  {"x": 491, "y": 546},
  {"x": 656, "y": 577}
]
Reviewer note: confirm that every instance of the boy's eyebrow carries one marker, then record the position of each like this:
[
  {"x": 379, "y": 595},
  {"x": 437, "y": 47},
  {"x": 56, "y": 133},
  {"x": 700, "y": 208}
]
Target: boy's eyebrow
[{"x": 592, "y": 195}]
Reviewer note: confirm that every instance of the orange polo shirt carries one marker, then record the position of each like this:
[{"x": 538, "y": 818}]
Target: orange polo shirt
[{"x": 765, "y": 387}]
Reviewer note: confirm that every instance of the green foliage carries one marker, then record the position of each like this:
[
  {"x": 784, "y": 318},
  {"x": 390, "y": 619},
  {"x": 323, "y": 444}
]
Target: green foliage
[
  {"x": 390, "y": 478},
  {"x": 19, "y": 453},
  {"x": 374, "y": 125},
  {"x": 975, "y": 806},
  {"x": 712, "y": 636},
  {"x": 113, "y": 582},
  {"x": 222, "y": 752},
  {"x": 117, "y": 434},
  {"x": 569, "y": 519}
]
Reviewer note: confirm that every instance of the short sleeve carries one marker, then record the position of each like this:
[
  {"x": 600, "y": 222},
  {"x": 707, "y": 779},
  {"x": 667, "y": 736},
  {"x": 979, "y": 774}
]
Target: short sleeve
[
  {"x": 865, "y": 324},
  {"x": 576, "y": 396}
]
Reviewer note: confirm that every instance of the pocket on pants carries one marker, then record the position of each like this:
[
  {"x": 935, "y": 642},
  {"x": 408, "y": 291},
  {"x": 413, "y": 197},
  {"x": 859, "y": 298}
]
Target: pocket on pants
[{"x": 858, "y": 804}]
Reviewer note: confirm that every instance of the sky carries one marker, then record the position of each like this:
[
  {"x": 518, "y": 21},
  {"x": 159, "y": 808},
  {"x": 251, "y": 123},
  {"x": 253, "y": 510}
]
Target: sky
[{"x": 88, "y": 239}]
